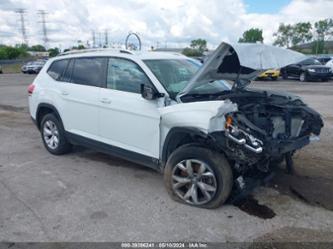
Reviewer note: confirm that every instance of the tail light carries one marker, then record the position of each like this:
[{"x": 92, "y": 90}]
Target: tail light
[{"x": 31, "y": 89}]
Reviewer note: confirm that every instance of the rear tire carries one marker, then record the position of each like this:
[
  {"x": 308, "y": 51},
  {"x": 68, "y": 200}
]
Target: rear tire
[
  {"x": 53, "y": 135},
  {"x": 198, "y": 176}
]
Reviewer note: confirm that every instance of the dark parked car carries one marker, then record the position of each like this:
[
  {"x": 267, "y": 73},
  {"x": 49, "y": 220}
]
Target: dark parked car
[
  {"x": 1, "y": 69},
  {"x": 324, "y": 59},
  {"x": 308, "y": 69}
]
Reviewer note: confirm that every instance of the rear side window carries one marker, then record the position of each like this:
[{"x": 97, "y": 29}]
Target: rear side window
[
  {"x": 89, "y": 71},
  {"x": 57, "y": 68}
]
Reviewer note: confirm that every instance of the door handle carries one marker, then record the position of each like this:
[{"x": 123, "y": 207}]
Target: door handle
[
  {"x": 65, "y": 93},
  {"x": 106, "y": 101}
]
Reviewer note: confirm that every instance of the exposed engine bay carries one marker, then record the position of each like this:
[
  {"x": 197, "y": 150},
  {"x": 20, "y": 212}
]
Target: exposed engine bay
[{"x": 266, "y": 128}]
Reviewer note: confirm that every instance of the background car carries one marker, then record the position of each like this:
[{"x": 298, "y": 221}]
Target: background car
[
  {"x": 308, "y": 69},
  {"x": 272, "y": 74},
  {"x": 324, "y": 59},
  {"x": 330, "y": 64},
  {"x": 1, "y": 69},
  {"x": 33, "y": 66},
  {"x": 24, "y": 68}
]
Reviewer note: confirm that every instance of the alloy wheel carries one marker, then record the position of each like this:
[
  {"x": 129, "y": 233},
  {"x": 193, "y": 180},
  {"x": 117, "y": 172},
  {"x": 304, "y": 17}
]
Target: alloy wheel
[
  {"x": 51, "y": 134},
  {"x": 194, "y": 181}
]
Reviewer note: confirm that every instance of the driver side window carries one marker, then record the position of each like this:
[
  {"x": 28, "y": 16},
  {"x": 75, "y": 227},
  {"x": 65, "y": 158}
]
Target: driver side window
[{"x": 125, "y": 75}]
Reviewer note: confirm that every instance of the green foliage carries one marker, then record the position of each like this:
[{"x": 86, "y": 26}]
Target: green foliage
[
  {"x": 252, "y": 35},
  {"x": 3, "y": 54},
  {"x": 79, "y": 47},
  {"x": 197, "y": 48},
  {"x": 301, "y": 33},
  {"x": 324, "y": 28},
  {"x": 37, "y": 48},
  {"x": 53, "y": 52},
  {"x": 284, "y": 35},
  {"x": 9, "y": 52},
  {"x": 199, "y": 44},
  {"x": 190, "y": 52},
  {"x": 292, "y": 35}
]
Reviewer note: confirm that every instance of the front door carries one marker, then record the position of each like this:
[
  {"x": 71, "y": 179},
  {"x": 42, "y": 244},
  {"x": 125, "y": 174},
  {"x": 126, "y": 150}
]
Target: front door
[{"x": 127, "y": 120}]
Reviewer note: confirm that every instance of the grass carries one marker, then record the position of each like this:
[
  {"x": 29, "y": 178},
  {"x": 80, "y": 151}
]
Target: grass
[{"x": 11, "y": 68}]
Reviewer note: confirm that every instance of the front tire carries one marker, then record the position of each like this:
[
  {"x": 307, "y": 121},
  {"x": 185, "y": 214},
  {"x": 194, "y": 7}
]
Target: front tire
[
  {"x": 53, "y": 135},
  {"x": 303, "y": 77},
  {"x": 198, "y": 176}
]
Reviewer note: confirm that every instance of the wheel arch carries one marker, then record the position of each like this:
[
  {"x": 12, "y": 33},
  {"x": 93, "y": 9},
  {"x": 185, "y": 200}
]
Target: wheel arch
[
  {"x": 179, "y": 136},
  {"x": 43, "y": 109}
]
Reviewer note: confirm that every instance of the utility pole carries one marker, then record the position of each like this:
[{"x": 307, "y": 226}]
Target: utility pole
[
  {"x": 99, "y": 39},
  {"x": 93, "y": 39},
  {"x": 42, "y": 14},
  {"x": 21, "y": 13},
  {"x": 106, "y": 38}
]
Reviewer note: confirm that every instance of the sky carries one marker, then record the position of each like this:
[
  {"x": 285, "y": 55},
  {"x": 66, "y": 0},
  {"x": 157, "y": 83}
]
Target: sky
[{"x": 159, "y": 23}]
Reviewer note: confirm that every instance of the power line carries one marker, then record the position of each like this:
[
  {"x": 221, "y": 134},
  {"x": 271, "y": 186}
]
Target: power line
[
  {"x": 42, "y": 14},
  {"x": 21, "y": 13}
]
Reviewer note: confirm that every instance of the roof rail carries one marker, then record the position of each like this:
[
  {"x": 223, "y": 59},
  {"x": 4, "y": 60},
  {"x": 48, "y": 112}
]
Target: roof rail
[
  {"x": 79, "y": 51},
  {"x": 125, "y": 51}
]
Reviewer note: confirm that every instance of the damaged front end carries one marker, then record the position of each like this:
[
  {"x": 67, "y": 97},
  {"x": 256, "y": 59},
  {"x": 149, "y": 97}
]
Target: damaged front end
[
  {"x": 255, "y": 129},
  {"x": 267, "y": 128}
]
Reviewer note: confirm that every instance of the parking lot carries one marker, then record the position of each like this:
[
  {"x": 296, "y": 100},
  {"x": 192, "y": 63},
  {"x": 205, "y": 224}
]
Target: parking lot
[{"x": 89, "y": 196}]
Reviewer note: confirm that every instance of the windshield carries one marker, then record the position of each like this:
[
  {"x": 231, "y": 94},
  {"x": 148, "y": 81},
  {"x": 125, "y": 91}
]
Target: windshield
[
  {"x": 174, "y": 74},
  {"x": 311, "y": 61}
]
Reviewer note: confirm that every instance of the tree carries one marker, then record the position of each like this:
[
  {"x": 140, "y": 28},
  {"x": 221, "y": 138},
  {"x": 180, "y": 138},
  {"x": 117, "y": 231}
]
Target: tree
[
  {"x": 284, "y": 35},
  {"x": 323, "y": 29},
  {"x": 199, "y": 44},
  {"x": 53, "y": 52},
  {"x": 302, "y": 33},
  {"x": 9, "y": 52},
  {"x": 37, "y": 48},
  {"x": 79, "y": 47},
  {"x": 252, "y": 35},
  {"x": 190, "y": 52}
]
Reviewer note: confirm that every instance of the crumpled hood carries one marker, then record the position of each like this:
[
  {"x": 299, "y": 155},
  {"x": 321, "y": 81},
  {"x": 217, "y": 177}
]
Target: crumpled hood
[{"x": 240, "y": 63}]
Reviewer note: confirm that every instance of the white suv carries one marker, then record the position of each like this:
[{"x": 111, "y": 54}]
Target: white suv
[{"x": 168, "y": 112}]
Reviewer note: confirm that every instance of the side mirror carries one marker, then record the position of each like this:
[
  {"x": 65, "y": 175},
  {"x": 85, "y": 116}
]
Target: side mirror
[{"x": 148, "y": 92}]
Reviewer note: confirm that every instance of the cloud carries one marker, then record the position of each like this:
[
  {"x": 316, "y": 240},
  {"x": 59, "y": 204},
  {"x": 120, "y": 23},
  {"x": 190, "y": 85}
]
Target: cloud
[{"x": 172, "y": 22}]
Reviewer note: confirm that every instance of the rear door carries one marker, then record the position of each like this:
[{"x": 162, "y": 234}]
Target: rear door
[
  {"x": 80, "y": 95},
  {"x": 127, "y": 120}
]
